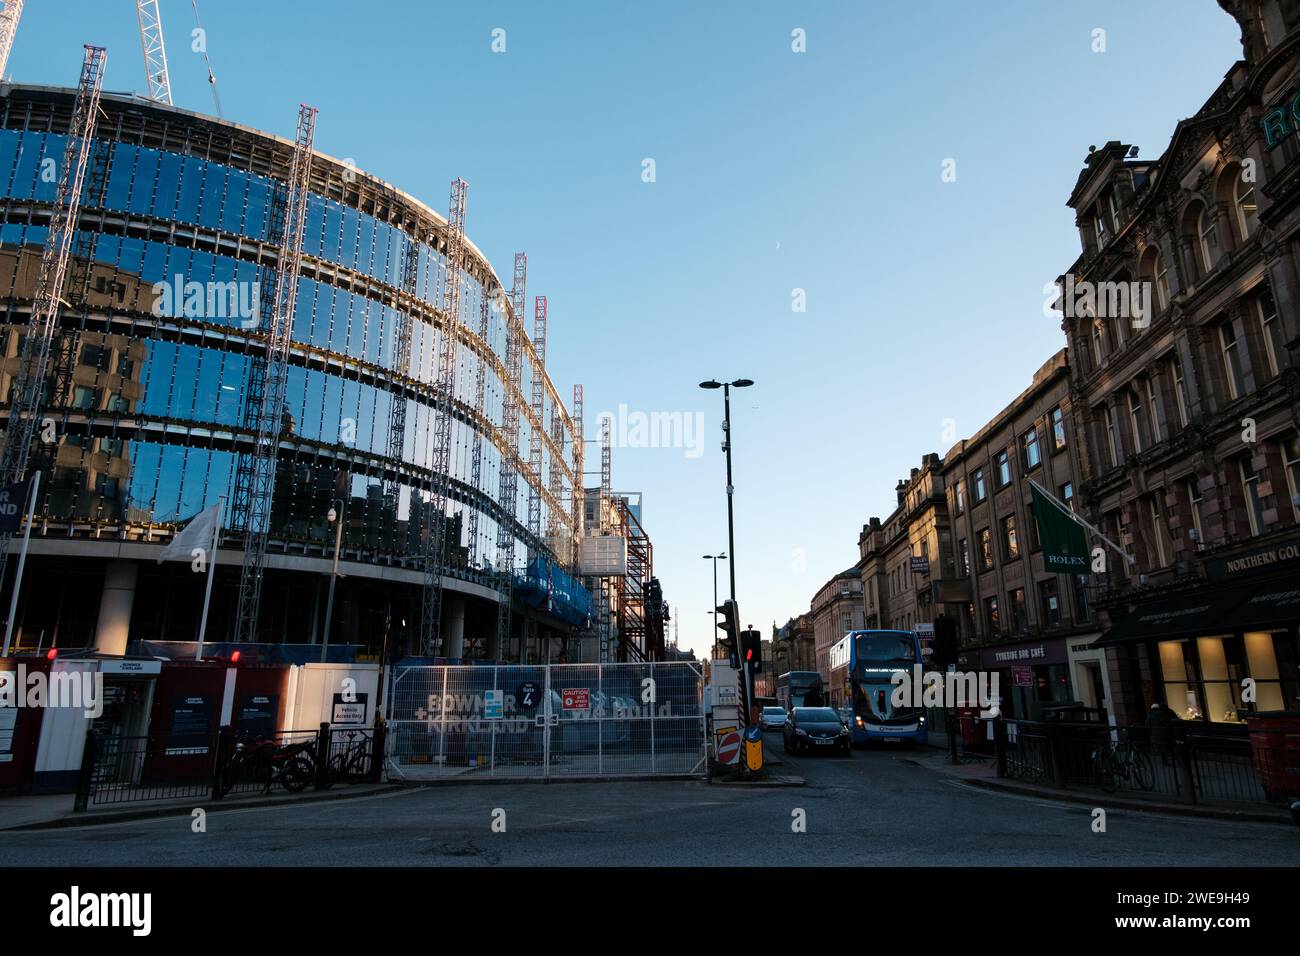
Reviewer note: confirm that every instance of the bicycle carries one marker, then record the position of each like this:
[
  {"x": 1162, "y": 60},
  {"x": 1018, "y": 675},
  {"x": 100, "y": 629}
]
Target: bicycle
[
  {"x": 290, "y": 766},
  {"x": 1116, "y": 762},
  {"x": 351, "y": 763}
]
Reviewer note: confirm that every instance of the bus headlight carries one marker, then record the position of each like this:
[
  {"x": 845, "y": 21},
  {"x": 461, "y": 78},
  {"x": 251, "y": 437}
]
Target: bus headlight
[
  {"x": 922, "y": 722},
  {"x": 861, "y": 722}
]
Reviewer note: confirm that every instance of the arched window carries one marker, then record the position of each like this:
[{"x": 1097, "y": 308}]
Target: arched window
[
  {"x": 1155, "y": 274},
  {"x": 1207, "y": 240},
  {"x": 1247, "y": 210}
]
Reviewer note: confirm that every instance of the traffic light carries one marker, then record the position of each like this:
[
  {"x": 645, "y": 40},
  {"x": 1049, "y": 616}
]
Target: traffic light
[
  {"x": 751, "y": 651},
  {"x": 728, "y": 627},
  {"x": 945, "y": 643}
]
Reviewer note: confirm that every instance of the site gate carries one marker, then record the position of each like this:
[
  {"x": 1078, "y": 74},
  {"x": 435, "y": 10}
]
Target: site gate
[{"x": 544, "y": 721}]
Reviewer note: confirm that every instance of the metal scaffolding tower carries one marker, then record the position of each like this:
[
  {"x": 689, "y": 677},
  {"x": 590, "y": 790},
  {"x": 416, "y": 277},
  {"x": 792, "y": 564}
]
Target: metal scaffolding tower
[
  {"x": 604, "y": 610},
  {"x": 402, "y": 365},
  {"x": 9, "y": 16},
  {"x": 480, "y": 411},
  {"x": 508, "y": 490},
  {"x": 635, "y": 641},
  {"x": 535, "y": 431},
  {"x": 559, "y": 494},
  {"x": 264, "y": 411},
  {"x": 436, "y": 508},
  {"x": 577, "y": 502},
  {"x": 159, "y": 86},
  {"x": 29, "y": 385}
]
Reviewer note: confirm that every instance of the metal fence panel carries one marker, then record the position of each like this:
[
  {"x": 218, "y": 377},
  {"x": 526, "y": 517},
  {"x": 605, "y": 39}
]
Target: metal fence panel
[{"x": 544, "y": 721}]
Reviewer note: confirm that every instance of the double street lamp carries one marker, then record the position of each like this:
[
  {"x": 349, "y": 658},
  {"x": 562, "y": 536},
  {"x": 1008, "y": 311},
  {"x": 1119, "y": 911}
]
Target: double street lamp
[
  {"x": 726, "y": 446},
  {"x": 731, "y": 520}
]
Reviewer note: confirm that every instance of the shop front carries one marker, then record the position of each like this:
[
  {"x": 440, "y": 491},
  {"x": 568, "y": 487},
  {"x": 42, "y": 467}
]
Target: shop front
[
  {"x": 1031, "y": 674},
  {"x": 1222, "y": 650}
]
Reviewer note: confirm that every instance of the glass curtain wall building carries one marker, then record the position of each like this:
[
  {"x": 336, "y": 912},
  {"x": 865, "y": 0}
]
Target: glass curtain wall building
[{"x": 147, "y": 384}]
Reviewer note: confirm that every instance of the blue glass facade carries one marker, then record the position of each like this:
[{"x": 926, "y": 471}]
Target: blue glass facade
[{"x": 149, "y": 422}]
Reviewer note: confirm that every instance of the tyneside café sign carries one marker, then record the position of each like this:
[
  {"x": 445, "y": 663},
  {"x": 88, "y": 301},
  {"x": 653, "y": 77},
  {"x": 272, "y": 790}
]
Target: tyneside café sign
[{"x": 1264, "y": 559}]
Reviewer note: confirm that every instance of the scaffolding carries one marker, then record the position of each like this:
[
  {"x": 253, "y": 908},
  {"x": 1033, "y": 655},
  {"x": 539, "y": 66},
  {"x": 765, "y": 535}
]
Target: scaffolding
[
  {"x": 264, "y": 404},
  {"x": 508, "y": 491},
  {"x": 159, "y": 86},
  {"x": 480, "y": 413},
  {"x": 577, "y": 503},
  {"x": 27, "y": 391},
  {"x": 436, "y": 511},
  {"x": 635, "y": 640},
  {"x": 9, "y": 17},
  {"x": 396, "y": 447},
  {"x": 535, "y": 431}
]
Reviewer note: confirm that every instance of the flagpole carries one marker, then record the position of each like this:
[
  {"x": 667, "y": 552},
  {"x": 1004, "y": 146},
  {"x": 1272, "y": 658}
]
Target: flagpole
[
  {"x": 1069, "y": 513},
  {"x": 22, "y": 561},
  {"x": 212, "y": 570}
]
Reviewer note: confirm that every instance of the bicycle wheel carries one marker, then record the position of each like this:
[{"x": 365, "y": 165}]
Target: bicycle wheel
[
  {"x": 359, "y": 765},
  {"x": 1141, "y": 770},
  {"x": 296, "y": 774},
  {"x": 1105, "y": 764}
]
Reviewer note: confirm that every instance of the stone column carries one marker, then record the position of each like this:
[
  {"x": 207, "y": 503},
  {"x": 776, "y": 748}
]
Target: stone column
[{"x": 114, "y": 627}]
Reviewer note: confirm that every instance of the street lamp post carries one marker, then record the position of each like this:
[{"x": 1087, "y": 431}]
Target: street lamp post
[
  {"x": 731, "y": 520},
  {"x": 715, "y": 558},
  {"x": 335, "y": 517}
]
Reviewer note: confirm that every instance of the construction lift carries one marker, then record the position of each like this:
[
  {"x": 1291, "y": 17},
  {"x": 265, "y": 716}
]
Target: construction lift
[
  {"x": 436, "y": 549},
  {"x": 264, "y": 406},
  {"x": 508, "y": 489}
]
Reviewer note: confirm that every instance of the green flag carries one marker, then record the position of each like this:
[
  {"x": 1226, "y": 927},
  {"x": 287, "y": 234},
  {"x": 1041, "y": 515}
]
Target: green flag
[{"x": 1065, "y": 546}]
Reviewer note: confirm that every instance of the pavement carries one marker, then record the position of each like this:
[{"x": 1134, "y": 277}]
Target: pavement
[{"x": 875, "y": 808}]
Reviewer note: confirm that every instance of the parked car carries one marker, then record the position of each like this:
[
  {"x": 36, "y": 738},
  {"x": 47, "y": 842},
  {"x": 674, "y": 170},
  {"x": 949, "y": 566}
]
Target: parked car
[
  {"x": 816, "y": 729},
  {"x": 772, "y": 718}
]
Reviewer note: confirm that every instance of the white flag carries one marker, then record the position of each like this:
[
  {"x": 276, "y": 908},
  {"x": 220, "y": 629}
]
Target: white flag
[{"x": 197, "y": 534}]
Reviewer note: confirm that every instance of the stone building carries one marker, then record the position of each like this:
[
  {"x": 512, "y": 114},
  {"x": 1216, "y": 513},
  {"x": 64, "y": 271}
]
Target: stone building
[
  {"x": 905, "y": 560},
  {"x": 1031, "y": 625},
  {"x": 1186, "y": 407},
  {"x": 836, "y": 610}
]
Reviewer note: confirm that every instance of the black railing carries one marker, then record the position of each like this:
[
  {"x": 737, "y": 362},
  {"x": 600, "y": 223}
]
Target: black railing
[
  {"x": 162, "y": 767},
  {"x": 117, "y": 770},
  {"x": 1184, "y": 764}
]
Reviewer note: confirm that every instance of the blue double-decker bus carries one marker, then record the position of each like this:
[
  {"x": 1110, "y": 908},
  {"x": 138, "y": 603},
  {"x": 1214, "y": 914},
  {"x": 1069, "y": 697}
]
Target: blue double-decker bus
[{"x": 862, "y": 667}]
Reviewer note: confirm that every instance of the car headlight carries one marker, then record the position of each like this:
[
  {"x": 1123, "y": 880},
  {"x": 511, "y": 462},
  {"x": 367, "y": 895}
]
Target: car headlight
[{"x": 801, "y": 733}]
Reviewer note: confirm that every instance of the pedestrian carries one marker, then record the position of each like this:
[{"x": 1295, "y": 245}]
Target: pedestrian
[{"x": 1162, "y": 724}]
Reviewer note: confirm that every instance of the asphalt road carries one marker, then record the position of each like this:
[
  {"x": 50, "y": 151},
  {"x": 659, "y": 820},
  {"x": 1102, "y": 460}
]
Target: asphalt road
[{"x": 875, "y": 808}]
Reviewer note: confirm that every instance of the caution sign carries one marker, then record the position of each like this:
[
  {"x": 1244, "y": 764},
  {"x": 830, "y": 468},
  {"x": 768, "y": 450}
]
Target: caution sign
[
  {"x": 576, "y": 698},
  {"x": 728, "y": 745}
]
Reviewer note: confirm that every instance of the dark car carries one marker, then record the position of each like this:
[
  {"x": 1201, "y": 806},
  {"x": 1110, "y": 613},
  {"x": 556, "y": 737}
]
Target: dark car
[{"x": 816, "y": 729}]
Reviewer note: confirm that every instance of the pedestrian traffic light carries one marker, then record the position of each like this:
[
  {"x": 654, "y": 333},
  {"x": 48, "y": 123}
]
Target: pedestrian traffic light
[
  {"x": 727, "y": 624},
  {"x": 751, "y": 650},
  {"x": 945, "y": 643}
]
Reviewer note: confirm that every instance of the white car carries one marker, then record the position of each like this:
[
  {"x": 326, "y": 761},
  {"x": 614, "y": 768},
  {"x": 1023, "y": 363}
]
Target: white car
[{"x": 772, "y": 718}]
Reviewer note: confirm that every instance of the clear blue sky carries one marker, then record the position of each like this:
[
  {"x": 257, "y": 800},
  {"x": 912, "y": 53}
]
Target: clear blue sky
[{"x": 775, "y": 171}]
